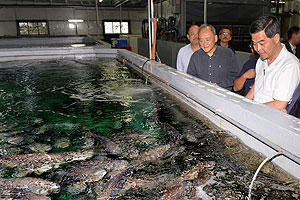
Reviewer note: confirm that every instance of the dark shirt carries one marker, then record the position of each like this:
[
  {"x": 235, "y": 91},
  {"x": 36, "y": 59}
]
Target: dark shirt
[
  {"x": 288, "y": 46},
  {"x": 230, "y": 47},
  {"x": 221, "y": 68},
  {"x": 250, "y": 64}
]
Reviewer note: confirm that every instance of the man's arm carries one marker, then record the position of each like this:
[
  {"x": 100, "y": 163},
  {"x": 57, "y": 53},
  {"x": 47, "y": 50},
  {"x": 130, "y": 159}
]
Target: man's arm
[
  {"x": 179, "y": 61},
  {"x": 277, "y": 104},
  {"x": 250, "y": 94},
  {"x": 239, "y": 83}
]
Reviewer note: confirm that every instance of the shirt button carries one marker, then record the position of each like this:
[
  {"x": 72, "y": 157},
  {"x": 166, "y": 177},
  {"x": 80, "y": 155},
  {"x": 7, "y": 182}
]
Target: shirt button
[
  {"x": 210, "y": 74},
  {"x": 209, "y": 65}
]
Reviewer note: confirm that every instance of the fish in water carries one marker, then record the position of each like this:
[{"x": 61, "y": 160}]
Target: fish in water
[
  {"x": 171, "y": 134},
  {"x": 107, "y": 145},
  {"x": 35, "y": 185},
  {"x": 183, "y": 187},
  {"x": 41, "y": 162},
  {"x": 178, "y": 192},
  {"x": 108, "y": 165},
  {"x": 19, "y": 194},
  {"x": 112, "y": 187},
  {"x": 152, "y": 154}
]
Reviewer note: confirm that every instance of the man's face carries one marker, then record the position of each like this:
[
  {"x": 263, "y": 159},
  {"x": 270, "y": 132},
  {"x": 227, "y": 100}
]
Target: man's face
[
  {"x": 207, "y": 40},
  {"x": 297, "y": 36},
  {"x": 264, "y": 46},
  {"x": 193, "y": 35},
  {"x": 225, "y": 35}
]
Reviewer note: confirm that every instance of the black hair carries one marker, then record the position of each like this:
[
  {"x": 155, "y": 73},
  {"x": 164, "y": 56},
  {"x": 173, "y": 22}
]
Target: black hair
[
  {"x": 293, "y": 30},
  {"x": 267, "y": 23},
  {"x": 191, "y": 27}
]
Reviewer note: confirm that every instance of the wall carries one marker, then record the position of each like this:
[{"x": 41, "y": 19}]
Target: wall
[{"x": 57, "y": 18}]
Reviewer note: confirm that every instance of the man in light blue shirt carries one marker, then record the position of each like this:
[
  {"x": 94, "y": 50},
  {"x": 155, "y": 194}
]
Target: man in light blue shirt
[{"x": 185, "y": 53}]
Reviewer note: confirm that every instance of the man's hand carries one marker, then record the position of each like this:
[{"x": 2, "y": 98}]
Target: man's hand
[
  {"x": 277, "y": 104},
  {"x": 249, "y": 74}
]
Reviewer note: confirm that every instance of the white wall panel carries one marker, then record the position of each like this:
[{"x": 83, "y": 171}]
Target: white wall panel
[
  {"x": 8, "y": 29},
  {"x": 30, "y": 13},
  {"x": 80, "y": 14},
  {"x": 138, "y": 15},
  {"x": 82, "y": 28},
  {"x": 7, "y": 14},
  {"x": 136, "y": 27},
  {"x": 60, "y": 13}
]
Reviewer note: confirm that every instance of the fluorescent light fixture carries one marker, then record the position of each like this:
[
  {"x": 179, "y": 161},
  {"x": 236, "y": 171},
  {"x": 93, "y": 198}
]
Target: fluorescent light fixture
[
  {"x": 100, "y": 1},
  {"x": 75, "y": 20},
  {"x": 78, "y": 45}
]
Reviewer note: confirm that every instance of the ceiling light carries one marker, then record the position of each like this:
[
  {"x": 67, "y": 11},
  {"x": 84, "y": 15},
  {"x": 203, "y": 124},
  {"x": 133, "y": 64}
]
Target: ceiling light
[{"x": 75, "y": 20}]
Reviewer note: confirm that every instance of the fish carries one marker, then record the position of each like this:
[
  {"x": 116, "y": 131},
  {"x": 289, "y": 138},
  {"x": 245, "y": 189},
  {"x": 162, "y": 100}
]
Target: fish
[
  {"x": 108, "y": 165},
  {"x": 19, "y": 194},
  {"x": 40, "y": 162},
  {"x": 108, "y": 145},
  {"x": 178, "y": 192},
  {"x": 151, "y": 155},
  {"x": 149, "y": 182},
  {"x": 35, "y": 185},
  {"x": 197, "y": 173},
  {"x": 112, "y": 187},
  {"x": 82, "y": 175},
  {"x": 171, "y": 134}
]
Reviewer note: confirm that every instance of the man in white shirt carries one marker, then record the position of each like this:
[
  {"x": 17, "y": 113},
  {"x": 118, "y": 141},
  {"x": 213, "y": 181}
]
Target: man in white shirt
[
  {"x": 293, "y": 39},
  {"x": 277, "y": 70},
  {"x": 185, "y": 53}
]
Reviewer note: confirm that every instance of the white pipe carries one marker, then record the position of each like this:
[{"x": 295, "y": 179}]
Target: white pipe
[
  {"x": 97, "y": 18},
  {"x": 258, "y": 169}
]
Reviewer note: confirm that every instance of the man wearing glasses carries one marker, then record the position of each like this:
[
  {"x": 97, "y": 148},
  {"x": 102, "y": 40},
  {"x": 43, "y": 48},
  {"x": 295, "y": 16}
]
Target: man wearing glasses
[
  {"x": 277, "y": 70},
  {"x": 225, "y": 35}
]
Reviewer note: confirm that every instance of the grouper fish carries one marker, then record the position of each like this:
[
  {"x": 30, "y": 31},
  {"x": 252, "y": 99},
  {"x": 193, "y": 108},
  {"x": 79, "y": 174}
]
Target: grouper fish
[
  {"x": 40, "y": 162},
  {"x": 112, "y": 187},
  {"x": 35, "y": 185},
  {"x": 20, "y": 194}
]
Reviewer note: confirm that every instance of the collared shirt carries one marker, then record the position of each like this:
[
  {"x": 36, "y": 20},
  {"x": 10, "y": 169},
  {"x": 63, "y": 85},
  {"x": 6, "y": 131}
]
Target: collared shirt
[
  {"x": 293, "y": 48},
  {"x": 221, "y": 68},
  {"x": 183, "y": 58},
  {"x": 277, "y": 80}
]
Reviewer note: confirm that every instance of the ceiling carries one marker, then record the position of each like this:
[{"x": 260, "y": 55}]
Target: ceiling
[
  {"x": 112, "y": 3},
  {"x": 104, "y": 3}
]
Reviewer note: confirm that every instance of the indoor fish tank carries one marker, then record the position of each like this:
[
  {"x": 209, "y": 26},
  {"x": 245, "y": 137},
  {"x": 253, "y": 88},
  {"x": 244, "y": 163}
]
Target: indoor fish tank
[{"x": 92, "y": 129}]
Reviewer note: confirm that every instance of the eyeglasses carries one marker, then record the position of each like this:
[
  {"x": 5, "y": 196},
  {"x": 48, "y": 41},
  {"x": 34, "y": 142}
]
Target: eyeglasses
[{"x": 224, "y": 33}]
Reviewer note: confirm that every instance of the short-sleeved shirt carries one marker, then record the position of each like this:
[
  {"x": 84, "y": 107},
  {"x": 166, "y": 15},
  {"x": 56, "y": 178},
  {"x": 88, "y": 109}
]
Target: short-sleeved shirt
[
  {"x": 221, "y": 68},
  {"x": 183, "y": 58},
  {"x": 277, "y": 80},
  {"x": 250, "y": 64}
]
